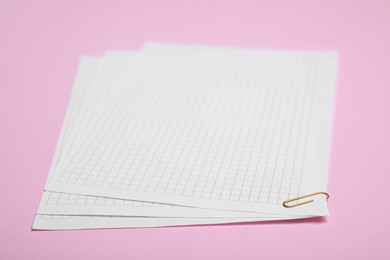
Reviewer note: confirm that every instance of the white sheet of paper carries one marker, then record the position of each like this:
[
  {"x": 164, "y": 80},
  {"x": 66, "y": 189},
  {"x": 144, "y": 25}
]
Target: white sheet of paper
[
  {"x": 62, "y": 203},
  {"x": 60, "y": 222},
  {"x": 228, "y": 129}
]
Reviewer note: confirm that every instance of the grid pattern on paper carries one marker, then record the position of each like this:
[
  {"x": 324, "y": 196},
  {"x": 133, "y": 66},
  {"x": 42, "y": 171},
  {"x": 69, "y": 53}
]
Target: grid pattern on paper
[
  {"x": 110, "y": 71},
  {"x": 87, "y": 71},
  {"x": 59, "y": 198},
  {"x": 241, "y": 138},
  {"x": 63, "y": 217}
]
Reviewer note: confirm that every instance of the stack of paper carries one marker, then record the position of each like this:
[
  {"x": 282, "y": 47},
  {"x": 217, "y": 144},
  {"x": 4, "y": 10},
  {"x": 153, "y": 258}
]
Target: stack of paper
[{"x": 184, "y": 135}]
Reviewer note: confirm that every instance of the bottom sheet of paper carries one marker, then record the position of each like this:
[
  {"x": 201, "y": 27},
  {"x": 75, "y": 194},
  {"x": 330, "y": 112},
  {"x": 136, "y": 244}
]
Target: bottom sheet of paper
[{"x": 59, "y": 222}]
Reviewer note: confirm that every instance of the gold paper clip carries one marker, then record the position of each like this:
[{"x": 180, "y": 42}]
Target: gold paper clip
[{"x": 285, "y": 203}]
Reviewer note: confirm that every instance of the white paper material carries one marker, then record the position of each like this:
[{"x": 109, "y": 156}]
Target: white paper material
[
  {"x": 214, "y": 128},
  {"x": 62, "y": 203},
  {"x": 64, "y": 222}
]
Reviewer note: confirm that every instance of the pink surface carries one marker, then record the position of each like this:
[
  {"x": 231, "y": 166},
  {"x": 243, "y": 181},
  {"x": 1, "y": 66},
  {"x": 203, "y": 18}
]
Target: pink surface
[{"x": 41, "y": 43}]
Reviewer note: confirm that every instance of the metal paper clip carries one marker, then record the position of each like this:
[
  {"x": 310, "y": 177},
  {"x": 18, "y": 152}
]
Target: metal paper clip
[{"x": 285, "y": 203}]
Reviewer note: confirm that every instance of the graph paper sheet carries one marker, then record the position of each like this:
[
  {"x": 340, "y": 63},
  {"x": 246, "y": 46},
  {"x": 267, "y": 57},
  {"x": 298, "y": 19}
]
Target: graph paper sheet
[
  {"x": 71, "y": 204},
  {"x": 214, "y": 128},
  {"x": 63, "y": 222}
]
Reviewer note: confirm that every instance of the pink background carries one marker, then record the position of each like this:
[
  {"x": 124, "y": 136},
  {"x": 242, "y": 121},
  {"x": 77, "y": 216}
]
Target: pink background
[{"x": 40, "y": 46}]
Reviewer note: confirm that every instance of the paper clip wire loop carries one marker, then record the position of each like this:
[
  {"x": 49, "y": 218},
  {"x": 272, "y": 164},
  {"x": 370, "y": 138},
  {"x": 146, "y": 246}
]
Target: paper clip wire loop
[{"x": 285, "y": 203}]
